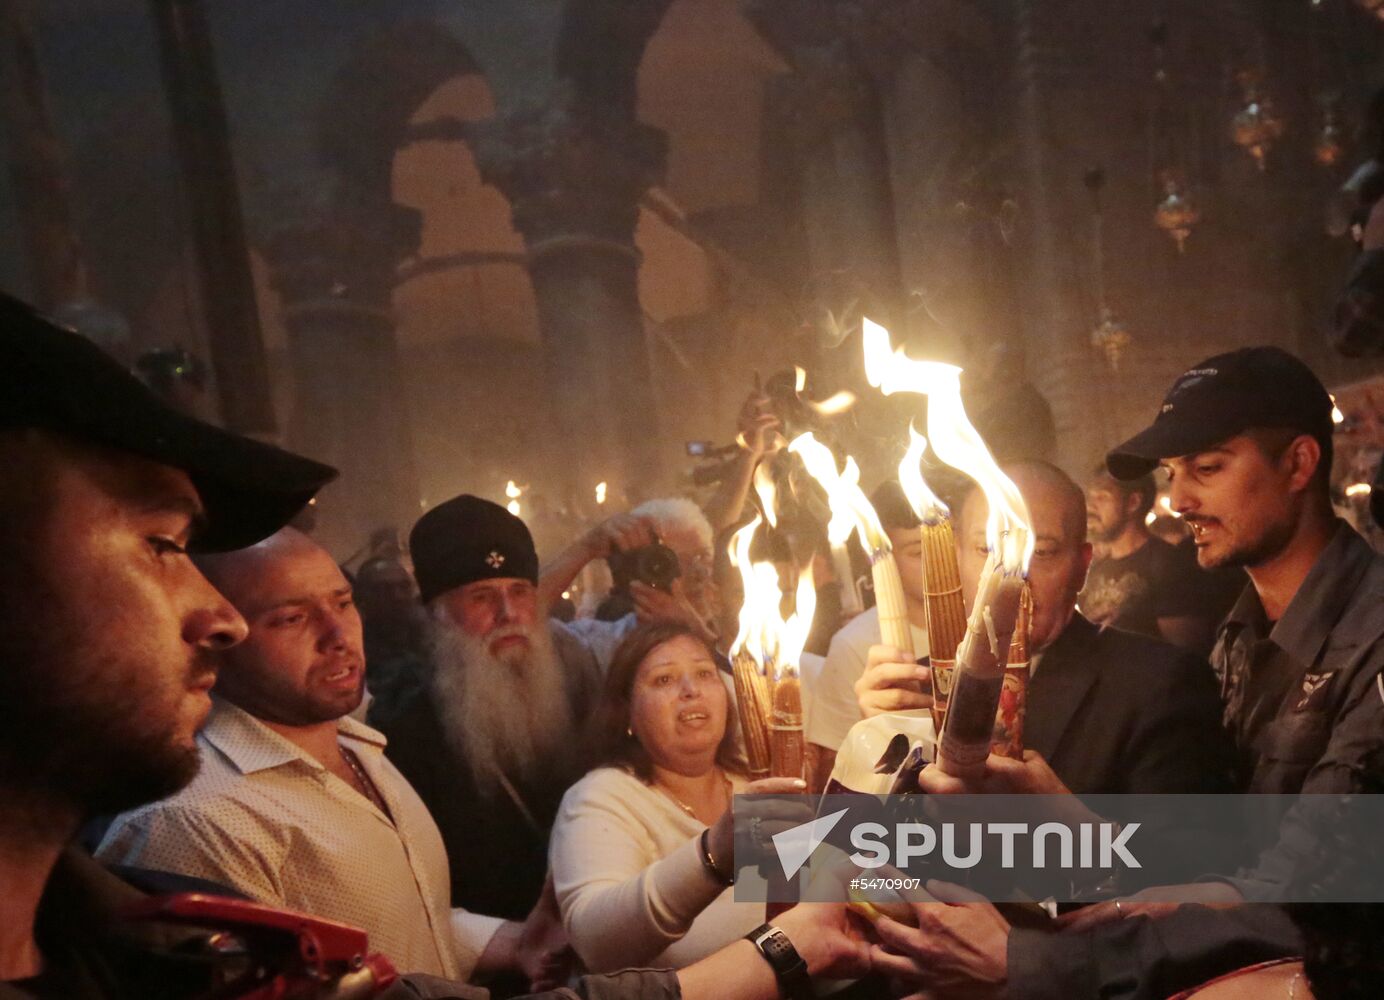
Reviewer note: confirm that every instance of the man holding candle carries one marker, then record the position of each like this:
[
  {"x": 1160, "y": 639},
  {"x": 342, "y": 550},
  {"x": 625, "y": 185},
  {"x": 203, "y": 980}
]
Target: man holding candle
[
  {"x": 839, "y": 698},
  {"x": 1246, "y": 438},
  {"x": 1107, "y": 711}
]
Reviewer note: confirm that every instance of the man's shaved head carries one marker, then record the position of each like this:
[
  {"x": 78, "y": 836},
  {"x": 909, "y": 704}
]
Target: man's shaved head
[
  {"x": 233, "y": 572},
  {"x": 303, "y": 662}
]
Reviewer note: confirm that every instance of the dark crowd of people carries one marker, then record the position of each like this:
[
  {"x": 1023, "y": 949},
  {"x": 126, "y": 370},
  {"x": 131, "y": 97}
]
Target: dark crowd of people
[{"x": 200, "y": 700}]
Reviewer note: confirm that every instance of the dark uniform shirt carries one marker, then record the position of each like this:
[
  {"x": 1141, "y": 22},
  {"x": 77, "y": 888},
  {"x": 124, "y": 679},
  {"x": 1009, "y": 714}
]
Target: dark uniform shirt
[
  {"x": 1303, "y": 696},
  {"x": 1304, "y": 702}
]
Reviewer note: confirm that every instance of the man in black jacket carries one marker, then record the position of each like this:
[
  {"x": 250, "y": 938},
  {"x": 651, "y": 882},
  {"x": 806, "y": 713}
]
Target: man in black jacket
[
  {"x": 1108, "y": 712},
  {"x": 1246, "y": 438}
]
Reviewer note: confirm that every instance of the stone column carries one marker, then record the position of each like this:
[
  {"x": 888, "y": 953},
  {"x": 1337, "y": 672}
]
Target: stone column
[
  {"x": 207, "y": 169},
  {"x": 333, "y": 266},
  {"x": 37, "y": 164},
  {"x": 834, "y": 104},
  {"x": 574, "y": 174}
]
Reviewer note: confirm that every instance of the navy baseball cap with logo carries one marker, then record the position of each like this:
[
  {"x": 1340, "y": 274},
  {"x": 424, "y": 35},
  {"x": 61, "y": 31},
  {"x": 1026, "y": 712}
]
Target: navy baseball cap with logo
[
  {"x": 1224, "y": 396},
  {"x": 466, "y": 539},
  {"x": 54, "y": 379}
]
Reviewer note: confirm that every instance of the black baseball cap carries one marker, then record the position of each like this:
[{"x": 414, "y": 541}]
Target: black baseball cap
[
  {"x": 55, "y": 379},
  {"x": 466, "y": 539},
  {"x": 1224, "y": 396}
]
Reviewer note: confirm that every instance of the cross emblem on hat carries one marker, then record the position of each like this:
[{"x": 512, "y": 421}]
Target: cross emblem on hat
[{"x": 495, "y": 560}]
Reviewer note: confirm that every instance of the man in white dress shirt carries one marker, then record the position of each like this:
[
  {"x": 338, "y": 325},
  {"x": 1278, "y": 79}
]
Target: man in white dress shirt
[{"x": 296, "y": 805}]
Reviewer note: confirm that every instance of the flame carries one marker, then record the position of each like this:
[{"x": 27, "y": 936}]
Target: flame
[
  {"x": 926, "y": 504},
  {"x": 512, "y": 491},
  {"x": 1358, "y": 489},
  {"x": 799, "y": 378},
  {"x": 850, "y": 509},
  {"x": 799, "y": 624},
  {"x": 836, "y": 403},
  {"x": 601, "y": 492},
  {"x": 775, "y": 642},
  {"x": 1007, "y": 526}
]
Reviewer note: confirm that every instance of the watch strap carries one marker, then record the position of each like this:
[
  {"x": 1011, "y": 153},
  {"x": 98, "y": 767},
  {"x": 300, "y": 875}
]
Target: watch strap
[{"x": 789, "y": 968}]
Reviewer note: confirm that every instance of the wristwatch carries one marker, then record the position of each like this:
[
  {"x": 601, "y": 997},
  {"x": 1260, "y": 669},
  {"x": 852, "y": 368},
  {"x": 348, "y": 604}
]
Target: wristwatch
[{"x": 789, "y": 968}]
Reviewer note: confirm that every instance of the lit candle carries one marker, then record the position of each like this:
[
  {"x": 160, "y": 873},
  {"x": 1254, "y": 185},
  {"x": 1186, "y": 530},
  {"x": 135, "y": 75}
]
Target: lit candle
[
  {"x": 851, "y": 511},
  {"x": 984, "y": 650},
  {"x": 946, "y": 611},
  {"x": 767, "y": 653}
]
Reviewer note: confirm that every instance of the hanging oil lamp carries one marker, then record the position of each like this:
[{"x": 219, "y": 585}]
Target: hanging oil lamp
[
  {"x": 1329, "y": 148},
  {"x": 1255, "y": 127},
  {"x": 1177, "y": 213}
]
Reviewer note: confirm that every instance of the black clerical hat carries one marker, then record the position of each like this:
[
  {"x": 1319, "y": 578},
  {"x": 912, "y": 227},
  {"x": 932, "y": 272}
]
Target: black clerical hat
[{"x": 467, "y": 539}]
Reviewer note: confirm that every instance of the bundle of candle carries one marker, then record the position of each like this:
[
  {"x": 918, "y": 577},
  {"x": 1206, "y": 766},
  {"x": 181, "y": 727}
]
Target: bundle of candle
[
  {"x": 946, "y": 611},
  {"x": 851, "y": 511},
  {"x": 1008, "y": 740},
  {"x": 754, "y": 699},
  {"x": 983, "y": 652},
  {"x": 767, "y": 650}
]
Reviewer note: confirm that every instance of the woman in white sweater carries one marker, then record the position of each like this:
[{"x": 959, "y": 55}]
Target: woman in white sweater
[{"x": 641, "y": 851}]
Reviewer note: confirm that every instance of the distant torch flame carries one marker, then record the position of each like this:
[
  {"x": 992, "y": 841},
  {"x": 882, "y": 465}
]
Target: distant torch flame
[
  {"x": 1358, "y": 490},
  {"x": 850, "y": 508},
  {"x": 956, "y": 441},
  {"x": 514, "y": 493},
  {"x": 600, "y": 492},
  {"x": 926, "y": 504}
]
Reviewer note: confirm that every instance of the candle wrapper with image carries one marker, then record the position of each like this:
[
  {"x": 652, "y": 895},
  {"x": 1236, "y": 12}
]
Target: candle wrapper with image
[
  {"x": 786, "y": 747},
  {"x": 1008, "y": 739},
  {"x": 979, "y": 677}
]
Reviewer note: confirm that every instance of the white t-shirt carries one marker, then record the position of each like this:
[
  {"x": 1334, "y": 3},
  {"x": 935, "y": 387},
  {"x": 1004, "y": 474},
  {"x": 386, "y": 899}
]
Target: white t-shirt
[{"x": 834, "y": 705}]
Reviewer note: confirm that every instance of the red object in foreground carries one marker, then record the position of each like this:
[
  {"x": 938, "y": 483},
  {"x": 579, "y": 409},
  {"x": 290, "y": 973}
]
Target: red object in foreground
[{"x": 275, "y": 954}]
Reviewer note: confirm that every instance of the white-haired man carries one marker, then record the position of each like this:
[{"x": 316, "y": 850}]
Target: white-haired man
[{"x": 675, "y": 522}]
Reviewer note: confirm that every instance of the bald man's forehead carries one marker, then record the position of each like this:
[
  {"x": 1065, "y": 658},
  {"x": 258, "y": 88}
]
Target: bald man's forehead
[
  {"x": 247, "y": 574},
  {"x": 1058, "y": 513}
]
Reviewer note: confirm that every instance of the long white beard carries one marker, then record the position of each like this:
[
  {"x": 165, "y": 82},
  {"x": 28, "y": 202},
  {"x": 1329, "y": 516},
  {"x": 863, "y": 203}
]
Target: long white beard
[{"x": 506, "y": 716}]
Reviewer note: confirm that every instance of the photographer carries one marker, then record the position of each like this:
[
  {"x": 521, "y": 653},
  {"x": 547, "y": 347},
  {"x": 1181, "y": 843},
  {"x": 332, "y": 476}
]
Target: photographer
[
  {"x": 758, "y": 434},
  {"x": 660, "y": 556}
]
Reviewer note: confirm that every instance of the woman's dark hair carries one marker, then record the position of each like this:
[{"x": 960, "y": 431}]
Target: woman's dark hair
[{"x": 615, "y": 746}]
